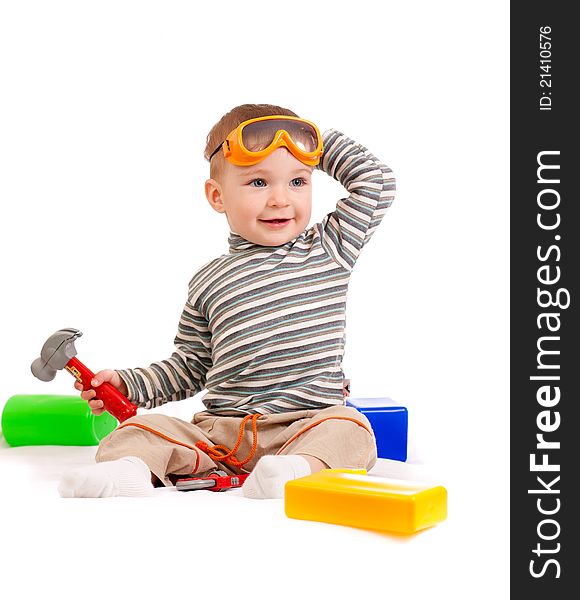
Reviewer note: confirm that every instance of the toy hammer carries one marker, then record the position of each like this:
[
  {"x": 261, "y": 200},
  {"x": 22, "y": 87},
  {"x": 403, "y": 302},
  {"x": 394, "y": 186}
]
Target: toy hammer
[{"x": 59, "y": 352}]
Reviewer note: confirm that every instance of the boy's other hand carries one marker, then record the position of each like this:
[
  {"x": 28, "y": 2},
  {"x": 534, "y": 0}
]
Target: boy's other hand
[
  {"x": 346, "y": 388},
  {"x": 97, "y": 406}
]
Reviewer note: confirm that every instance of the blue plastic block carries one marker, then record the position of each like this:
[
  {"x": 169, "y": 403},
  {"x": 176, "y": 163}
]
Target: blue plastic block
[{"x": 390, "y": 423}]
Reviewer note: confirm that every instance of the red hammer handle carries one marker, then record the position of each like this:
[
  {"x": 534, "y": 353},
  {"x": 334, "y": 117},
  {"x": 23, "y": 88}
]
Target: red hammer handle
[{"x": 115, "y": 403}]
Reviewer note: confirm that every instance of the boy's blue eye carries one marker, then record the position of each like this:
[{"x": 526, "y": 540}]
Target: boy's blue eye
[{"x": 254, "y": 181}]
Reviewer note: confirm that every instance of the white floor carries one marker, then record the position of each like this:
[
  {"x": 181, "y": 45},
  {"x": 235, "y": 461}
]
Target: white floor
[{"x": 176, "y": 543}]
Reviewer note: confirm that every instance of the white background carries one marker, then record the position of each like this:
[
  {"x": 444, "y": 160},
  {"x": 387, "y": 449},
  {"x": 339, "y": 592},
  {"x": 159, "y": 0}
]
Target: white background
[{"x": 105, "y": 107}]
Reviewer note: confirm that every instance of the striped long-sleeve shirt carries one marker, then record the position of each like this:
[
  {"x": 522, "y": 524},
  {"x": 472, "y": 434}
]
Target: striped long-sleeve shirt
[{"x": 263, "y": 328}]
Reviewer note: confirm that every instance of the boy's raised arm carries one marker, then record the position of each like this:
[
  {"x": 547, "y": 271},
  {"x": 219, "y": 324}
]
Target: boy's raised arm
[
  {"x": 180, "y": 376},
  {"x": 371, "y": 187}
]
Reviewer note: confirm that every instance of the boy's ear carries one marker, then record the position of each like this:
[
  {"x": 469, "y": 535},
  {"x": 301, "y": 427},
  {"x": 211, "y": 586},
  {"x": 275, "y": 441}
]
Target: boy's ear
[{"x": 213, "y": 193}]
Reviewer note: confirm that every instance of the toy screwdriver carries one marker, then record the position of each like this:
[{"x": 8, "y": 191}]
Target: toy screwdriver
[{"x": 216, "y": 482}]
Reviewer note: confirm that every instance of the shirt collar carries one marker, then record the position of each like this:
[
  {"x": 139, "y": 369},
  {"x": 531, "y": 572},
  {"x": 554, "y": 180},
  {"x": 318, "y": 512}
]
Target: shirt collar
[{"x": 239, "y": 244}]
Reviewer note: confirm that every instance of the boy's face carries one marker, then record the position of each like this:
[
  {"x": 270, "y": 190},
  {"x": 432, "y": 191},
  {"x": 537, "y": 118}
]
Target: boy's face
[{"x": 252, "y": 198}]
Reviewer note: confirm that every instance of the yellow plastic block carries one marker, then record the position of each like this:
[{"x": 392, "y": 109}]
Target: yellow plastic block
[{"x": 355, "y": 499}]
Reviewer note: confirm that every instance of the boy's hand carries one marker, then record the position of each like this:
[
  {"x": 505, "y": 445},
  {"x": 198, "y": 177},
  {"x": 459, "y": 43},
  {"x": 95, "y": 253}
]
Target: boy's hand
[
  {"x": 97, "y": 406},
  {"x": 346, "y": 388},
  {"x": 325, "y": 136}
]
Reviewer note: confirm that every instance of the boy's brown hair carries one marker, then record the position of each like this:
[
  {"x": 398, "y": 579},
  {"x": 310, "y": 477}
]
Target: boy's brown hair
[{"x": 228, "y": 123}]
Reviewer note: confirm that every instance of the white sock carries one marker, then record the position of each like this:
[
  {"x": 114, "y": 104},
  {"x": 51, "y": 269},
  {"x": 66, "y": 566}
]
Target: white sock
[
  {"x": 128, "y": 476},
  {"x": 271, "y": 473}
]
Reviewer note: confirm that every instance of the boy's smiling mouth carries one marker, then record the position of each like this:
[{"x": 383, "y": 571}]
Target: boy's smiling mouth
[{"x": 275, "y": 223}]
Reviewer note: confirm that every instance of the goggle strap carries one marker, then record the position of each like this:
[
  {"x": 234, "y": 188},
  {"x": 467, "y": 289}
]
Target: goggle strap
[{"x": 218, "y": 149}]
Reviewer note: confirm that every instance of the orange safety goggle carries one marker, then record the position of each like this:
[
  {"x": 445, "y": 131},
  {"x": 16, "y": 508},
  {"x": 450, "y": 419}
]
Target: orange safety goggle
[{"x": 255, "y": 139}]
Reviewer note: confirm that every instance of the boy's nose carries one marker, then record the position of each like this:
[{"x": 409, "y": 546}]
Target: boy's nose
[{"x": 278, "y": 198}]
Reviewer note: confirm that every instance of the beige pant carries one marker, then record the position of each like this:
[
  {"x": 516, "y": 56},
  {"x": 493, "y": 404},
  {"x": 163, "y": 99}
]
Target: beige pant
[{"x": 339, "y": 436}]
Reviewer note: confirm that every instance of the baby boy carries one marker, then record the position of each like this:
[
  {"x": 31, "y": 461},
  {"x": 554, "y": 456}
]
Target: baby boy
[{"x": 263, "y": 327}]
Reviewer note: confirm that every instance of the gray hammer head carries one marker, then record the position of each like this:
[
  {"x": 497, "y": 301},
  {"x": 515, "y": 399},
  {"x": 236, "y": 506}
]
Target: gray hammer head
[{"x": 58, "y": 349}]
